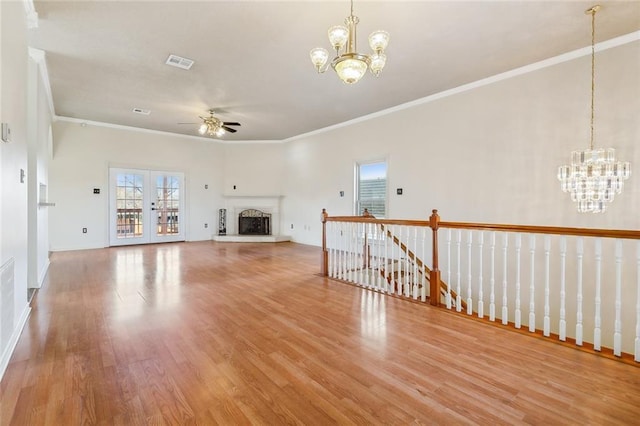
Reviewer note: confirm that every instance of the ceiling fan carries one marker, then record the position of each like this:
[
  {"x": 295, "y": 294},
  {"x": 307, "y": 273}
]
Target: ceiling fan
[{"x": 213, "y": 126}]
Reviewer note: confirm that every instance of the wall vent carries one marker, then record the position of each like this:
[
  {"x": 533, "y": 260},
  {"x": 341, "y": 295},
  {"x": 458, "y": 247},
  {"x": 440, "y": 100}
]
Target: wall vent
[
  {"x": 180, "y": 62},
  {"x": 141, "y": 111}
]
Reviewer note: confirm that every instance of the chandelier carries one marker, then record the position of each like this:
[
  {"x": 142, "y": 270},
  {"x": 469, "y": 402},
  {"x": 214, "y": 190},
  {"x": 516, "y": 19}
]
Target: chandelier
[
  {"x": 349, "y": 64},
  {"x": 594, "y": 175},
  {"x": 212, "y": 126}
]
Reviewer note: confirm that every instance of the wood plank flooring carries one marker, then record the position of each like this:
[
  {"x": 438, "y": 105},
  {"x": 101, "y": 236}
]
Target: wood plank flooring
[{"x": 230, "y": 333}]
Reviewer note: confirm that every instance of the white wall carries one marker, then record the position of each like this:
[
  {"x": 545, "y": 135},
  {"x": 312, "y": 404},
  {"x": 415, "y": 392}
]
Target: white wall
[
  {"x": 486, "y": 155},
  {"x": 39, "y": 117},
  {"x": 81, "y": 160},
  {"x": 13, "y": 157},
  {"x": 254, "y": 169}
]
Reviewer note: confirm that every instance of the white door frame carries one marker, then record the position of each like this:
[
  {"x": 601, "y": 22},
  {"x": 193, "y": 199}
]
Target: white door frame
[{"x": 146, "y": 208}]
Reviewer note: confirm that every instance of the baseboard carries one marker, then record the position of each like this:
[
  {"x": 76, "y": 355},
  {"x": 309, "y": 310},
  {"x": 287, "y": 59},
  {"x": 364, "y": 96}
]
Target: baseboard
[
  {"x": 17, "y": 331},
  {"x": 43, "y": 273}
]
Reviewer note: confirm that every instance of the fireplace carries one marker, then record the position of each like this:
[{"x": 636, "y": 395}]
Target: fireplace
[{"x": 254, "y": 222}]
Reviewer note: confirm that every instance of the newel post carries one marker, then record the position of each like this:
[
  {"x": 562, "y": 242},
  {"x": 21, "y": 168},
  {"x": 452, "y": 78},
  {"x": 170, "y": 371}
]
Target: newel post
[
  {"x": 324, "y": 267},
  {"x": 365, "y": 248},
  {"x": 434, "y": 278}
]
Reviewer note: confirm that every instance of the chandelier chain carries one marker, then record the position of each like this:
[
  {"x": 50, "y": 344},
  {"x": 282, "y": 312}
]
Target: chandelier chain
[{"x": 593, "y": 71}]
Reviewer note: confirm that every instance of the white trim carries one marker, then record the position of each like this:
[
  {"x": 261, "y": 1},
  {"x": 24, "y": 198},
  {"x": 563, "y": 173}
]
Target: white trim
[
  {"x": 39, "y": 57},
  {"x": 155, "y": 132},
  {"x": 31, "y": 14},
  {"x": 43, "y": 273},
  {"x": 605, "y": 45},
  {"x": 13, "y": 341}
]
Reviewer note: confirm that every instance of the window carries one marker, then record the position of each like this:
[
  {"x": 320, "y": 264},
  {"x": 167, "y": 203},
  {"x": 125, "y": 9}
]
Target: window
[{"x": 371, "y": 188}]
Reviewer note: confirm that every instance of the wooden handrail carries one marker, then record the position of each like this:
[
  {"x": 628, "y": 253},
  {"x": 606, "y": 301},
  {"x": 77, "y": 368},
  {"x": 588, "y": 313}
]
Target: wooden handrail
[
  {"x": 371, "y": 219},
  {"x": 556, "y": 230},
  {"x": 530, "y": 229}
]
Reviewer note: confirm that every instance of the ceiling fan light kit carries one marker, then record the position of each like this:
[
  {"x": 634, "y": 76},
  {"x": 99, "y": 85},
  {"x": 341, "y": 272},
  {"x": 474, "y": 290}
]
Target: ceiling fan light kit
[
  {"x": 349, "y": 64},
  {"x": 594, "y": 175},
  {"x": 213, "y": 126}
]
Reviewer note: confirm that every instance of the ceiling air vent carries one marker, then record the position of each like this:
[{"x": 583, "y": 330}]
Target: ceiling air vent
[
  {"x": 180, "y": 62},
  {"x": 141, "y": 111}
]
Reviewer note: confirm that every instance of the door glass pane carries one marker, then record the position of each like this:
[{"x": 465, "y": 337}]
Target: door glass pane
[
  {"x": 129, "y": 205},
  {"x": 167, "y": 202}
]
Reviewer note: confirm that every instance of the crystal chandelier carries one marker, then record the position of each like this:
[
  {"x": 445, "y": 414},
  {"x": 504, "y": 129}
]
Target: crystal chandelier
[
  {"x": 349, "y": 64},
  {"x": 594, "y": 176},
  {"x": 212, "y": 126}
]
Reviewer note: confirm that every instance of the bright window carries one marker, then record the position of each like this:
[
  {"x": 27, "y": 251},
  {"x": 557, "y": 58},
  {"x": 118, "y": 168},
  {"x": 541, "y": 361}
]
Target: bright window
[{"x": 371, "y": 188}]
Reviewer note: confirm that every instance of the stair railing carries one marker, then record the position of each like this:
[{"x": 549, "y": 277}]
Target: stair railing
[{"x": 574, "y": 285}]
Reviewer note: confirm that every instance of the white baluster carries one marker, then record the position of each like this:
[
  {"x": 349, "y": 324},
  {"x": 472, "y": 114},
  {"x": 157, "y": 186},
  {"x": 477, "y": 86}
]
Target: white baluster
[
  {"x": 407, "y": 265},
  {"x": 547, "y": 252},
  {"x": 617, "y": 335},
  {"x": 353, "y": 259},
  {"x": 449, "y": 269},
  {"x": 329, "y": 241},
  {"x": 518, "y": 311},
  {"x": 469, "y": 298},
  {"x": 562, "y": 326},
  {"x": 360, "y": 239},
  {"x": 423, "y": 295},
  {"x": 409, "y": 280},
  {"x": 637, "y": 341},
  {"x": 532, "y": 286},
  {"x": 385, "y": 264},
  {"x": 458, "y": 274},
  {"x": 580, "y": 251},
  {"x": 390, "y": 259},
  {"x": 339, "y": 255},
  {"x": 415, "y": 263},
  {"x": 401, "y": 266},
  {"x": 372, "y": 257},
  {"x": 492, "y": 282},
  {"x": 505, "y": 310},
  {"x": 376, "y": 255},
  {"x": 381, "y": 258},
  {"x": 335, "y": 240},
  {"x": 369, "y": 256},
  {"x": 480, "y": 291},
  {"x": 597, "y": 332},
  {"x": 397, "y": 278}
]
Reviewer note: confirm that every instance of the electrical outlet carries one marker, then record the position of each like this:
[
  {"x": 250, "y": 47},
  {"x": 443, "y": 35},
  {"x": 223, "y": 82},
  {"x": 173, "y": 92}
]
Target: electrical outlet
[
  {"x": 206, "y": 225},
  {"x": 96, "y": 190},
  {"x": 84, "y": 230},
  {"x": 292, "y": 226}
]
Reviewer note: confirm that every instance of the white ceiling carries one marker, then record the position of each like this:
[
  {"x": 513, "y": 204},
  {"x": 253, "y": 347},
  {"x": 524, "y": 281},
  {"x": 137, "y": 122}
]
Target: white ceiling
[{"x": 251, "y": 57}]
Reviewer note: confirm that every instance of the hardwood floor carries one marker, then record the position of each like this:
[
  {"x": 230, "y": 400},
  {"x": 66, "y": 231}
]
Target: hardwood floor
[{"x": 235, "y": 333}]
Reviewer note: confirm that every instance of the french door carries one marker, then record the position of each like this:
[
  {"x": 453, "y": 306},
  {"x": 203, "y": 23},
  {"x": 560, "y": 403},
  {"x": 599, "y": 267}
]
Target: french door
[{"x": 145, "y": 206}]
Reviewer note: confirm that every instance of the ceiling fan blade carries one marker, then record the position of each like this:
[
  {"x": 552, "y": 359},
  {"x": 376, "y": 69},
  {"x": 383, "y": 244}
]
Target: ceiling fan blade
[
  {"x": 229, "y": 129},
  {"x": 231, "y": 123},
  {"x": 188, "y": 123}
]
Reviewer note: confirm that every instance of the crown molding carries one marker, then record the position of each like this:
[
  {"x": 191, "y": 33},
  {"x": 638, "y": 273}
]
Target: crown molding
[
  {"x": 565, "y": 57},
  {"x": 31, "y": 14},
  {"x": 156, "y": 132},
  {"x": 39, "y": 57}
]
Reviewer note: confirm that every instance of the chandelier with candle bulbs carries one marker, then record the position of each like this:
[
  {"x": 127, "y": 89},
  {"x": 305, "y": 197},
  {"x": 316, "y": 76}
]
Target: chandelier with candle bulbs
[{"x": 349, "y": 64}]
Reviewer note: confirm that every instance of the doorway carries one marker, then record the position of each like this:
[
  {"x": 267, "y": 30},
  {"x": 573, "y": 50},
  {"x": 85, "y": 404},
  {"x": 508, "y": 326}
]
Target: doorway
[{"x": 145, "y": 206}]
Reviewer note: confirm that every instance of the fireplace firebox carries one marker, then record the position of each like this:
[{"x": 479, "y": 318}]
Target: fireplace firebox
[{"x": 254, "y": 222}]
